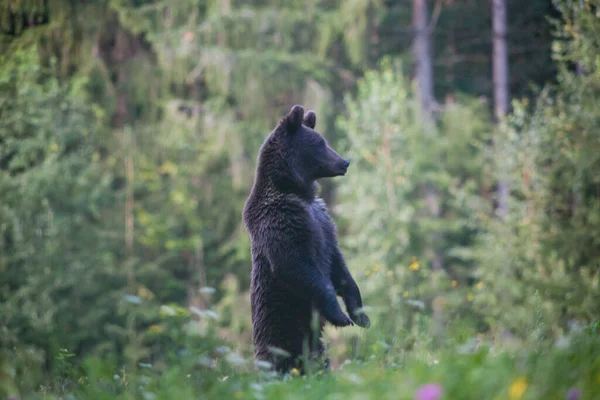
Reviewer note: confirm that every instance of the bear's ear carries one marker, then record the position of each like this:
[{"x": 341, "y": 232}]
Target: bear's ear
[
  {"x": 294, "y": 118},
  {"x": 310, "y": 119}
]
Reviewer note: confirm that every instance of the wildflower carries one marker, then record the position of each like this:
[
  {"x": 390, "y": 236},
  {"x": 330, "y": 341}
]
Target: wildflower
[
  {"x": 405, "y": 294},
  {"x": 469, "y": 297},
  {"x": 257, "y": 387},
  {"x": 54, "y": 147},
  {"x": 156, "y": 328},
  {"x": 276, "y": 351},
  {"x": 390, "y": 273},
  {"x": 234, "y": 359},
  {"x": 132, "y": 299},
  {"x": 430, "y": 391},
  {"x": 418, "y": 304},
  {"x": 368, "y": 272},
  {"x": 517, "y": 388},
  {"x": 295, "y": 372},
  {"x": 204, "y": 313},
  {"x": 353, "y": 378},
  {"x": 166, "y": 310},
  {"x": 573, "y": 394},
  {"x": 188, "y": 36},
  {"x": 263, "y": 364},
  {"x": 144, "y": 293},
  {"x": 376, "y": 268},
  {"x": 223, "y": 350},
  {"x": 414, "y": 265},
  {"x": 207, "y": 290},
  {"x": 479, "y": 285},
  {"x": 454, "y": 283}
]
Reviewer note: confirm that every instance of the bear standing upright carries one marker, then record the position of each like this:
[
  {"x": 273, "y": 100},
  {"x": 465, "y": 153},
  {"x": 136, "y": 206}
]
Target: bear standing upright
[{"x": 297, "y": 266}]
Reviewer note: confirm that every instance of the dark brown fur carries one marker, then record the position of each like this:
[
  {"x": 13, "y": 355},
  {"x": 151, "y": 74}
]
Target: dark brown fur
[{"x": 297, "y": 267}]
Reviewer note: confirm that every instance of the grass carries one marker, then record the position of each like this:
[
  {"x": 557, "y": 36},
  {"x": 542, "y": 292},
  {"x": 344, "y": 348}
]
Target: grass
[
  {"x": 482, "y": 374},
  {"x": 547, "y": 371}
]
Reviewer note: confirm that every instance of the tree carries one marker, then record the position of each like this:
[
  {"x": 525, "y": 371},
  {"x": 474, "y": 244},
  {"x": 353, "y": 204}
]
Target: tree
[
  {"x": 170, "y": 83},
  {"x": 424, "y": 74},
  {"x": 389, "y": 227},
  {"x": 422, "y": 51},
  {"x": 501, "y": 87},
  {"x": 543, "y": 260},
  {"x": 56, "y": 201}
]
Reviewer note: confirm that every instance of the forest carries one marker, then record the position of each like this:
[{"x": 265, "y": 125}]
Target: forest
[{"x": 470, "y": 215}]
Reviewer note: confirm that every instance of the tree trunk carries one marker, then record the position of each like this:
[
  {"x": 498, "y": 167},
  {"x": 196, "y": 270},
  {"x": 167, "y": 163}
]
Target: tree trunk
[
  {"x": 424, "y": 73},
  {"x": 422, "y": 51},
  {"x": 501, "y": 92}
]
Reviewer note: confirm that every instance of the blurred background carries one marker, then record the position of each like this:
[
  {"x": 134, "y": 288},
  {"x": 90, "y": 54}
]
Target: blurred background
[{"x": 129, "y": 131}]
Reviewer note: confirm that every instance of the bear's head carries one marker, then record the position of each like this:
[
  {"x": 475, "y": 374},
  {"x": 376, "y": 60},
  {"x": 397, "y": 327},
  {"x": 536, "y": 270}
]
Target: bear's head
[
  {"x": 294, "y": 155},
  {"x": 308, "y": 151}
]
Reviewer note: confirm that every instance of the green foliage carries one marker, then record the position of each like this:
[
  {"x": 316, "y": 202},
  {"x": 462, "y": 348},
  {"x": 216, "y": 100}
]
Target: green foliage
[
  {"x": 389, "y": 229},
  {"x": 54, "y": 192},
  {"x": 128, "y": 138},
  {"x": 551, "y": 154},
  {"x": 487, "y": 372}
]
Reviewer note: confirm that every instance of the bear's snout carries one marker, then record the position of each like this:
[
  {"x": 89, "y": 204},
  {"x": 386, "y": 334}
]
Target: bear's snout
[
  {"x": 344, "y": 164},
  {"x": 338, "y": 165}
]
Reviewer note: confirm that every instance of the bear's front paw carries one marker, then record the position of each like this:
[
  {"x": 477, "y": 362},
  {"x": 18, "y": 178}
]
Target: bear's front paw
[
  {"x": 341, "y": 320},
  {"x": 337, "y": 317},
  {"x": 358, "y": 314},
  {"x": 361, "y": 320}
]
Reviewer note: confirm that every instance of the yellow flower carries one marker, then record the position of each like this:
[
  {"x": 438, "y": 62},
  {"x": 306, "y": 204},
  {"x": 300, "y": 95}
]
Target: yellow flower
[
  {"x": 376, "y": 267},
  {"x": 144, "y": 293},
  {"x": 156, "y": 328},
  {"x": 390, "y": 273},
  {"x": 479, "y": 285},
  {"x": 469, "y": 297},
  {"x": 405, "y": 294},
  {"x": 517, "y": 388},
  {"x": 54, "y": 147},
  {"x": 168, "y": 168},
  {"x": 454, "y": 283},
  {"x": 295, "y": 372},
  {"x": 368, "y": 272},
  {"x": 414, "y": 265}
]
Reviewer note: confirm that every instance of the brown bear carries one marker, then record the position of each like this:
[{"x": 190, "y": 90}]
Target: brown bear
[{"x": 297, "y": 267}]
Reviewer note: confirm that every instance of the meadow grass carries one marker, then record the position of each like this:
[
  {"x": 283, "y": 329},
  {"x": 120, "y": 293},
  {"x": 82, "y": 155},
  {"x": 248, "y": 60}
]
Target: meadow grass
[{"x": 568, "y": 369}]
